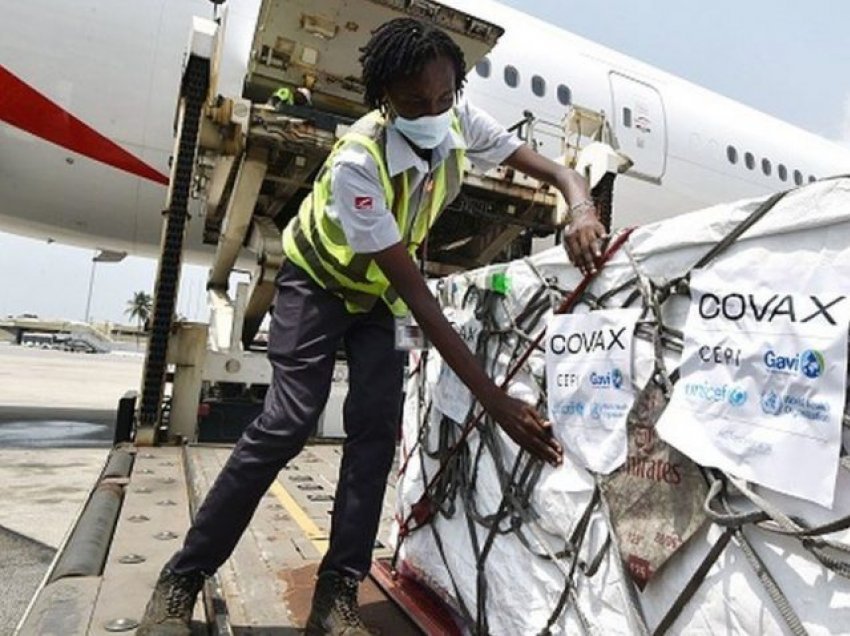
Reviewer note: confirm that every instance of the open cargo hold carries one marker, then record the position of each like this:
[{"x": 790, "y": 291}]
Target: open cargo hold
[{"x": 661, "y": 542}]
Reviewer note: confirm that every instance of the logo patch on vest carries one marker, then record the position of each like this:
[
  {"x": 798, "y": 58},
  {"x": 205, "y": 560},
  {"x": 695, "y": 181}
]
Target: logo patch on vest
[{"x": 363, "y": 203}]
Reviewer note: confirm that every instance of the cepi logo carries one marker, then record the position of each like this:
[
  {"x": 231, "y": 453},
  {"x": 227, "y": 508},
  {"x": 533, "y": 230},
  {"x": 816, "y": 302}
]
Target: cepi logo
[
  {"x": 720, "y": 355},
  {"x": 810, "y": 363},
  {"x": 611, "y": 379},
  {"x": 707, "y": 392}
]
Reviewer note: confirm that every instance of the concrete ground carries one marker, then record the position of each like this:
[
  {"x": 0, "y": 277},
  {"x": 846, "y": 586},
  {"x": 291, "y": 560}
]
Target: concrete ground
[
  {"x": 59, "y": 379},
  {"x": 57, "y": 412}
]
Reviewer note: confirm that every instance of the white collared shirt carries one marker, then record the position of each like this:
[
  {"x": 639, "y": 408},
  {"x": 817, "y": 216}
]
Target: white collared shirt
[{"x": 357, "y": 199}]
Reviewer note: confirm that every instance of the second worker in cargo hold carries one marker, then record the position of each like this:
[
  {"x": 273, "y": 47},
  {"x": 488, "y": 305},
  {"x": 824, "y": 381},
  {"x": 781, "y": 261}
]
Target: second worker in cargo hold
[{"x": 349, "y": 276}]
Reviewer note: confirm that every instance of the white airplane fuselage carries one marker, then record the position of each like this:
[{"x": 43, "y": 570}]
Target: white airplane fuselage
[{"x": 112, "y": 69}]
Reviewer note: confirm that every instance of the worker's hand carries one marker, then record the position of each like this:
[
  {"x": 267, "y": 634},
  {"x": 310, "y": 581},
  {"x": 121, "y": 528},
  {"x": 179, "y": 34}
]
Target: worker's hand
[
  {"x": 583, "y": 239},
  {"x": 525, "y": 426}
]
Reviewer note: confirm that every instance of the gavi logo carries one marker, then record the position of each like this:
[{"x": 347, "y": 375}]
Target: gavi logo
[
  {"x": 612, "y": 379},
  {"x": 810, "y": 363}
]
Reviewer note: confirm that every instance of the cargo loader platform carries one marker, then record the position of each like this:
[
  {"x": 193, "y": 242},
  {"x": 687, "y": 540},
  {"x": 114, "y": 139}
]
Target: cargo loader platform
[{"x": 137, "y": 516}]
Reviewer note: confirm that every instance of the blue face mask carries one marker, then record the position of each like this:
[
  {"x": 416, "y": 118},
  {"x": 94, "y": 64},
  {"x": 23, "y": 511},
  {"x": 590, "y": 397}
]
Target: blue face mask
[{"x": 426, "y": 132}]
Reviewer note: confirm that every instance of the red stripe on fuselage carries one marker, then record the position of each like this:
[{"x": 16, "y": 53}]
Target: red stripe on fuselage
[{"x": 24, "y": 107}]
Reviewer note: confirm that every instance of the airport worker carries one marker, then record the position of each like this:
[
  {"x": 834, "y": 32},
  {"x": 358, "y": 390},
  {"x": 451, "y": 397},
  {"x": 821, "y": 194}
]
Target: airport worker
[
  {"x": 285, "y": 96},
  {"x": 350, "y": 273}
]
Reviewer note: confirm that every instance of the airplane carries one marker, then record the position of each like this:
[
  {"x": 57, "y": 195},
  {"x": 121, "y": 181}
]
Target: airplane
[{"x": 88, "y": 92}]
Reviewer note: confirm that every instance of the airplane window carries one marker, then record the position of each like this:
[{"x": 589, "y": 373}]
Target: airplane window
[
  {"x": 798, "y": 177},
  {"x": 732, "y": 154},
  {"x": 766, "y": 167},
  {"x": 782, "y": 171},
  {"x": 511, "y": 76},
  {"x": 564, "y": 95},
  {"x": 812, "y": 179},
  {"x": 483, "y": 68},
  {"x": 538, "y": 85},
  {"x": 627, "y": 117},
  {"x": 749, "y": 160}
]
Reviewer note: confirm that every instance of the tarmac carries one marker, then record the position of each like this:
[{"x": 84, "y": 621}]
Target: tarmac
[{"x": 57, "y": 412}]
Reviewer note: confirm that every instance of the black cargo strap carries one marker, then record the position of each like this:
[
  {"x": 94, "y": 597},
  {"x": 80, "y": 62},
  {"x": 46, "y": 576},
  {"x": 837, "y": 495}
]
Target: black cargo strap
[
  {"x": 769, "y": 583},
  {"x": 693, "y": 584},
  {"x": 576, "y": 540}
]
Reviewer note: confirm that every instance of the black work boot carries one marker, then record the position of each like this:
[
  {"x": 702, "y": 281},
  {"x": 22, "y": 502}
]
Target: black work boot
[
  {"x": 335, "y": 611},
  {"x": 169, "y": 611}
]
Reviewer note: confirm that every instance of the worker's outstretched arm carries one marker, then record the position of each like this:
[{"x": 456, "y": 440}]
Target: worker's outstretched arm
[
  {"x": 582, "y": 237},
  {"x": 519, "y": 420}
]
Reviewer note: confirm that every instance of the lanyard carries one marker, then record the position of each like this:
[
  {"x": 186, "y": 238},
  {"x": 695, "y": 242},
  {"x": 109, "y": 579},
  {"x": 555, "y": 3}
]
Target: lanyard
[{"x": 427, "y": 189}]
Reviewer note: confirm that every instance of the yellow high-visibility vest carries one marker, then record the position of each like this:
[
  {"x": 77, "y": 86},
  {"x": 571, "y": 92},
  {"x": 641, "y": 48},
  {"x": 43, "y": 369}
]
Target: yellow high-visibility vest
[
  {"x": 317, "y": 244},
  {"x": 285, "y": 95}
]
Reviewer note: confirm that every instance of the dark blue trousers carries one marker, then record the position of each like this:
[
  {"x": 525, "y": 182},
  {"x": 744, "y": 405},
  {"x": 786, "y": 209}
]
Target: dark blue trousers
[{"x": 308, "y": 326}]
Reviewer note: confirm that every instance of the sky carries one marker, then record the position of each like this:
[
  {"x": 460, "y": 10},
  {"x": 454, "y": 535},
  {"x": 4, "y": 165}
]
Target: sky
[{"x": 784, "y": 57}]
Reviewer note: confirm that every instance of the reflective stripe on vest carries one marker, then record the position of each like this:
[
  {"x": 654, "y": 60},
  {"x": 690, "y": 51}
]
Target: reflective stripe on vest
[{"x": 317, "y": 244}]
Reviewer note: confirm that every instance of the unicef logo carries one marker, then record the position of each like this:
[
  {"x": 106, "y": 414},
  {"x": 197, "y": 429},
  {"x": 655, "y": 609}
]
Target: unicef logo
[
  {"x": 716, "y": 393},
  {"x": 569, "y": 408},
  {"x": 737, "y": 397},
  {"x": 812, "y": 363},
  {"x": 771, "y": 402},
  {"x": 617, "y": 378}
]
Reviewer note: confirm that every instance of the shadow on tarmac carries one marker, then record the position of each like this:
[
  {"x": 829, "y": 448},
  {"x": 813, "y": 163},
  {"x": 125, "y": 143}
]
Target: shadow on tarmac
[
  {"x": 23, "y": 561},
  {"x": 40, "y": 427}
]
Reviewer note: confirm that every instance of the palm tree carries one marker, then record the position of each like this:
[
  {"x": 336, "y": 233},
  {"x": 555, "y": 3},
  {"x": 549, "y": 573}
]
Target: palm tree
[{"x": 140, "y": 307}]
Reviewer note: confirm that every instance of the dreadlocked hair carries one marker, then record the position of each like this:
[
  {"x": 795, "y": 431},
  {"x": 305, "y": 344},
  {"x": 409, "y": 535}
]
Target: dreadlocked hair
[{"x": 401, "y": 48}]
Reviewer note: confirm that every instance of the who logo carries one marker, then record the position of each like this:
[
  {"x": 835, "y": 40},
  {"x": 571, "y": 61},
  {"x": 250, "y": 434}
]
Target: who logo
[{"x": 771, "y": 402}]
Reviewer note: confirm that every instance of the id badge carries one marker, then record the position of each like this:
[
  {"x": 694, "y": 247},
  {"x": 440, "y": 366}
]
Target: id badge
[{"x": 408, "y": 334}]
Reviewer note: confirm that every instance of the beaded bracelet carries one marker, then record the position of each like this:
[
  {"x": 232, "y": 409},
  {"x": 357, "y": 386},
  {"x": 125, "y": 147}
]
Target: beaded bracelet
[{"x": 586, "y": 203}]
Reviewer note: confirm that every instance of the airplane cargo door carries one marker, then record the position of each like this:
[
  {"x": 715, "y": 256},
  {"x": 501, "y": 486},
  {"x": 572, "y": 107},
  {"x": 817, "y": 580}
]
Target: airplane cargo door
[{"x": 639, "y": 125}]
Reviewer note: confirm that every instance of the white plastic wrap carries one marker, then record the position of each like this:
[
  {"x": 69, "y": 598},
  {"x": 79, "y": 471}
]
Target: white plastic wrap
[{"x": 808, "y": 226}]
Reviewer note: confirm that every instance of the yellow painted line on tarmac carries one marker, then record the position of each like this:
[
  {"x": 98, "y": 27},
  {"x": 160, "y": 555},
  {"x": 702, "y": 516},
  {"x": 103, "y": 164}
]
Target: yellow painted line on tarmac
[{"x": 317, "y": 537}]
